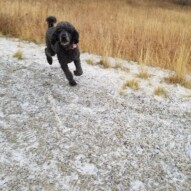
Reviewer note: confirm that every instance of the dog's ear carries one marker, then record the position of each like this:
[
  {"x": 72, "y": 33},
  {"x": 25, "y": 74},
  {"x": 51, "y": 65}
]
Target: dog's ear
[
  {"x": 55, "y": 35},
  {"x": 75, "y": 36}
]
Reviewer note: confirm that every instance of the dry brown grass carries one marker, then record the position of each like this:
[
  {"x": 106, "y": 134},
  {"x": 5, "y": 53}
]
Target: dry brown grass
[
  {"x": 18, "y": 54},
  {"x": 175, "y": 79},
  {"x": 161, "y": 91},
  {"x": 105, "y": 62},
  {"x": 143, "y": 74},
  {"x": 133, "y": 84},
  {"x": 90, "y": 62},
  {"x": 122, "y": 92},
  {"x": 125, "y": 69},
  {"x": 117, "y": 65},
  {"x": 155, "y": 31},
  {"x": 180, "y": 62}
]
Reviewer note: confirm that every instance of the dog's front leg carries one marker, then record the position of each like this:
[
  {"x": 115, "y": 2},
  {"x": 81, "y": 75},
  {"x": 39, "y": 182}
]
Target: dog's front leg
[
  {"x": 68, "y": 74},
  {"x": 62, "y": 60},
  {"x": 78, "y": 71}
]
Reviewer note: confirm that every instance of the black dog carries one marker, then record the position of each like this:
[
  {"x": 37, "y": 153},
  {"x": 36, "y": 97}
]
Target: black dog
[{"x": 62, "y": 40}]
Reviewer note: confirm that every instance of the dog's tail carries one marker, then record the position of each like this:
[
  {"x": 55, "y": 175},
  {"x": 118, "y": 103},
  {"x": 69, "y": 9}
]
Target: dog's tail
[{"x": 51, "y": 20}]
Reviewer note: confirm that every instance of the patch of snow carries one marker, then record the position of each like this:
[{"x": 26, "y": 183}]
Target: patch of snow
[
  {"x": 89, "y": 137},
  {"x": 84, "y": 167},
  {"x": 137, "y": 186}
]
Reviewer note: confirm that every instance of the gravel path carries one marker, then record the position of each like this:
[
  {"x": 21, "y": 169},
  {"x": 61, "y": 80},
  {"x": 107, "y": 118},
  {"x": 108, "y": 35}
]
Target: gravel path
[{"x": 54, "y": 137}]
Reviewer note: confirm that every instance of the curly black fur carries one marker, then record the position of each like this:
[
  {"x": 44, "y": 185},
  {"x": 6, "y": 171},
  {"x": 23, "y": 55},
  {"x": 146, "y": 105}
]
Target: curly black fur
[{"x": 59, "y": 41}]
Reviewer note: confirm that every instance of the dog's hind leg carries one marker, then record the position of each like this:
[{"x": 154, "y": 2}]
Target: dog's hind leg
[{"x": 78, "y": 71}]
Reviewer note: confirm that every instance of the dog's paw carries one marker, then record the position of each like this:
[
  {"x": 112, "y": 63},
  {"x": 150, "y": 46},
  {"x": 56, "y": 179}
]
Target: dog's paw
[
  {"x": 73, "y": 83},
  {"x": 78, "y": 73},
  {"x": 49, "y": 60}
]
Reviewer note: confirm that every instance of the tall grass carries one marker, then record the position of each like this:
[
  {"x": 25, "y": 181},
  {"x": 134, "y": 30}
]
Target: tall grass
[{"x": 154, "y": 32}]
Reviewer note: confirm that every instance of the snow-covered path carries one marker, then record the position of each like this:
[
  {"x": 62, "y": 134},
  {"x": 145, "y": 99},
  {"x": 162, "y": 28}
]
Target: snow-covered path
[{"x": 54, "y": 137}]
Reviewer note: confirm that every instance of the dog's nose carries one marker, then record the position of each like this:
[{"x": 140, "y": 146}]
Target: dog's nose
[{"x": 64, "y": 37}]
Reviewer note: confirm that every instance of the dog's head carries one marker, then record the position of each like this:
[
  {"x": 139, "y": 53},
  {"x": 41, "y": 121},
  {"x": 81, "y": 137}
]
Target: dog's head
[{"x": 65, "y": 35}]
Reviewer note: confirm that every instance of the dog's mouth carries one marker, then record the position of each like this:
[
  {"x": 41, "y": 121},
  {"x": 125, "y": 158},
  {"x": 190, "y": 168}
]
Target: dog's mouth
[{"x": 65, "y": 43}]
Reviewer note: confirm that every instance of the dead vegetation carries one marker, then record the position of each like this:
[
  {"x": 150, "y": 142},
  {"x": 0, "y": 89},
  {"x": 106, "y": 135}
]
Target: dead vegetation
[
  {"x": 143, "y": 74},
  {"x": 175, "y": 79},
  {"x": 158, "y": 32},
  {"x": 104, "y": 61},
  {"x": 161, "y": 91},
  {"x": 133, "y": 84},
  {"x": 18, "y": 54}
]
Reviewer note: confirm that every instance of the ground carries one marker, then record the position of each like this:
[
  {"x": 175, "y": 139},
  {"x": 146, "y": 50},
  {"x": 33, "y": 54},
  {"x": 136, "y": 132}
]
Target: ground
[{"x": 54, "y": 137}]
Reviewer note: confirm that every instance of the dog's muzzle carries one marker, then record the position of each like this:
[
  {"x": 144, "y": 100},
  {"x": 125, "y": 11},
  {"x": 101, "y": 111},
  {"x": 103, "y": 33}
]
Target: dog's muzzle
[
  {"x": 65, "y": 43},
  {"x": 65, "y": 39}
]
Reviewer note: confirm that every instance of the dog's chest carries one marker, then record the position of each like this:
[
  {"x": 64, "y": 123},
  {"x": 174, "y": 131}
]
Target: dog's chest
[{"x": 68, "y": 55}]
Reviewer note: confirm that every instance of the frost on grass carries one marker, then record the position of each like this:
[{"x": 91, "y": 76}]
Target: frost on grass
[{"x": 88, "y": 137}]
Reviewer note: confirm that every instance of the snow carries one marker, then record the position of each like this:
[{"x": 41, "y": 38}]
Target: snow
[
  {"x": 137, "y": 186},
  {"x": 84, "y": 167},
  {"x": 89, "y": 137}
]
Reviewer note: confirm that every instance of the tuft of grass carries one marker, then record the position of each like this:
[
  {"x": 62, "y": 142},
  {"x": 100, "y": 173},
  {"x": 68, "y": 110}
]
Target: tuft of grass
[
  {"x": 176, "y": 79},
  {"x": 143, "y": 75},
  {"x": 133, "y": 84},
  {"x": 181, "y": 62},
  {"x": 125, "y": 69},
  {"x": 122, "y": 92},
  {"x": 117, "y": 65},
  {"x": 104, "y": 62},
  {"x": 161, "y": 91},
  {"x": 18, "y": 54},
  {"x": 90, "y": 62}
]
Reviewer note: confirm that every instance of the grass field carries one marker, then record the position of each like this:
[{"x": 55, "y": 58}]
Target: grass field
[{"x": 157, "y": 33}]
